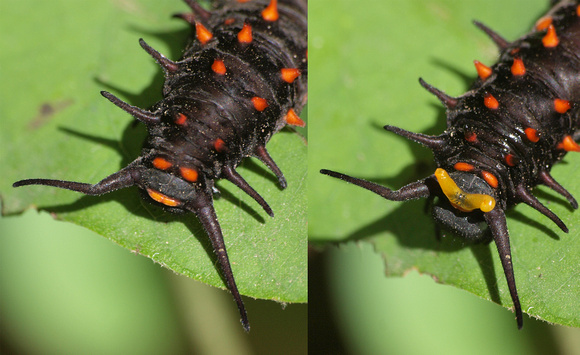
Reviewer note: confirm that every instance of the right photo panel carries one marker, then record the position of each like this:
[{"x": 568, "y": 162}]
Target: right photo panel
[{"x": 442, "y": 216}]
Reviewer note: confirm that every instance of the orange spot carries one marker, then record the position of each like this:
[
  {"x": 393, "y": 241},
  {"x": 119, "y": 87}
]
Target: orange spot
[
  {"x": 293, "y": 119},
  {"x": 514, "y": 51},
  {"x": 532, "y": 134},
  {"x": 219, "y": 145},
  {"x": 229, "y": 21},
  {"x": 550, "y": 40},
  {"x": 518, "y": 68},
  {"x": 188, "y": 174},
  {"x": 463, "y": 166},
  {"x": 243, "y": 1},
  {"x": 260, "y": 104},
  {"x": 270, "y": 13},
  {"x": 578, "y": 10},
  {"x": 568, "y": 145},
  {"x": 181, "y": 118},
  {"x": 510, "y": 159},
  {"x": 203, "y": 34},
  {"x": 490, "y": 102},
  {"x": 161, "y": 198},
  {"x": 218, "y": 67},
  {"x": 482, "y": 70},
  {"x": 290, "y": 74},
  {"x": 561, "y": 106},
  {"x": 471, "y": 137},
  {"x": 245, "y": 34},
  {"x": 490, "y": 179},
  {"x": 161, "y": 163},
  {"x": 543, "y": 23}
]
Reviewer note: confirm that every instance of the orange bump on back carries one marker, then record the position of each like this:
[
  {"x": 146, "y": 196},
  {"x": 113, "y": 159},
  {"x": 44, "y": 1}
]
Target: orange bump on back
[
  {"x": 518, "y": 68},
  {"x": 550, "y": 40},
  {"x": 260, "y": 104},
  {"x": 161, "y": 163},
  {"x": 245, "y": 34},
  {"x": 181, "y": 119},
  {"x": 290, "y": 74},
  {"x": 218, "y": 67},
  {"x": 293, "y": 119},
  {"x": 463, "y": 166},
  {"x": 203, "y": 34},
  {"x": 188, "y": 174},
  {"x": 561, "y": 106},
  {"x": 568, "y": 144},
  {"x": 161, "y": 198},
  {"x": 490, "y": 102},
  {"x": 219, "y": 145},
  {"x": 270, "y": 13},
  {"x": 483, "y": 71},
  {"x": 532, "y": 134},
  {"x": 490, "y": 179},
  {"x": 543, "y": 23}
]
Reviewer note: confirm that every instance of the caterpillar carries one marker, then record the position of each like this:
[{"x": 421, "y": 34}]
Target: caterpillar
[
  {"x": 503, "y": 136},
  {"x": 241, "y": 79}
]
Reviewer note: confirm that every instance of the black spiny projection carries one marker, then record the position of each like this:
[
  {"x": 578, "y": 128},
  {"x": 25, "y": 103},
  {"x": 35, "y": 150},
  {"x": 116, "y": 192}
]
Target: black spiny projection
[
  {"x": 503, "y": 136},
  {"x": 241, "y": 79}
]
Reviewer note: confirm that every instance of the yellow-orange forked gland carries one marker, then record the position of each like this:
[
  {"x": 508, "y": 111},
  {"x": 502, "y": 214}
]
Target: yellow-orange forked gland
[{"x": 460, "y": 199}]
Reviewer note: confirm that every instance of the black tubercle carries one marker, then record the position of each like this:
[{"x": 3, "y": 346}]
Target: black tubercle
[
  {"x": 222, "y": 102},
  {"x": 519, "y": 118}
]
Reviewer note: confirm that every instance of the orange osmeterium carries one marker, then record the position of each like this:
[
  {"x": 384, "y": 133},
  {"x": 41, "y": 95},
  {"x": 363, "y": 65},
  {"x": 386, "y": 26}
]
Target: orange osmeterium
[
  {"x": 290, "y": 74},
  {"x": 218, "y": 67},
  {"x": 245, "y": 34},
  {"x": 463, "y": 166},
  {"x": 490, "y": 179},
  {"x": 561, "y": 106},
  {"x": 188, "y": 174},
  {"x": 270, "y": 13},
  {"x": 483, "y": 71},
  {"x": 490, "y": 102},
  {"x": 543, "y": 23},
  {"x": 293, "y": 119},
  {"x": 568, "y": 144},
  {"x": 518, "y": 68},
  {"x": 550, "y": 40},
  {"x": 203, "y": 34},
  {"x": 161, "y": 163},
  {"x": 219, "y": 145},
  {"x": 260, "y": 104},
  {"x": 161, "y": 198},
  {"x": 532, "y": 134}
]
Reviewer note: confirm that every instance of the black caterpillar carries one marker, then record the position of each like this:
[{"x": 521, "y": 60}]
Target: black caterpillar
[
  {"x": 242, "y": 78},
  {"x": 503, "y": 136}
]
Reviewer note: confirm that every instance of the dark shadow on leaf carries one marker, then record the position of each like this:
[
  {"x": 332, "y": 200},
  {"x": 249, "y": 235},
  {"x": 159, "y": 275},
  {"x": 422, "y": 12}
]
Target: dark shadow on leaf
[
  {"x": 529, "y": 220},
  {"x": 482, "y": 254}
]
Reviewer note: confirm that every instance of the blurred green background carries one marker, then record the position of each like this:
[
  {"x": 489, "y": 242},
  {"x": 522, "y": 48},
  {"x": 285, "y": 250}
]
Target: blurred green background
[
  {"x": 67, "y": 290},
  {"x": 365, "y": 59}
]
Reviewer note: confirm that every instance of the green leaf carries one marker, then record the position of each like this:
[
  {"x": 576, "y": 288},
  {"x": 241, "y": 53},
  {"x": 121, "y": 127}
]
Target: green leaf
[
  {"x": 365, "y": 60},
  {"x": 57, "y": 56}
]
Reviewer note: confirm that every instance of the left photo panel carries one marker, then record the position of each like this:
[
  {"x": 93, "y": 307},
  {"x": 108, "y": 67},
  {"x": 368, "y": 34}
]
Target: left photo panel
[{"x": 177, "y": 131}]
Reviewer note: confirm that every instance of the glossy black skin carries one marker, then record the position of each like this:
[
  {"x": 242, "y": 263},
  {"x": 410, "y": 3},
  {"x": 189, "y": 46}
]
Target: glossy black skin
[
  {"x": 216, "y": 107},
  {"x": 524, "y": 102}
]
